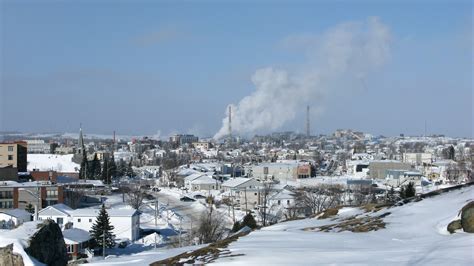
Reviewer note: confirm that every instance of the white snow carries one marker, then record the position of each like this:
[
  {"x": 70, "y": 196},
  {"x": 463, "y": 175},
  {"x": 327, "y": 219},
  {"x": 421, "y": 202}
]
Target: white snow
[
  {"x": 19, "y": 238},
  {"x": 56, "y": 162},
  {"x": 414, "y": 234}
]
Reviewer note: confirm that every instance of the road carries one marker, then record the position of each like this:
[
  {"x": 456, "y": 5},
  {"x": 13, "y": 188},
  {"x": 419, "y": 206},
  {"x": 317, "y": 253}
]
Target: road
[{"x": 190, "y": 211}]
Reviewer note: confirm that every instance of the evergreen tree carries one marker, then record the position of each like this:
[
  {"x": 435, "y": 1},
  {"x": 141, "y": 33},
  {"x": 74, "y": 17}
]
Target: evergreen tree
[
  {"x": 103, "y": 227},
  {"x": 112, "y": 167},
  {"x": 402, "y": 192},
  {"x": 29, "y": 208},
  {"x": 105, "y": 175},
  {"x": 83, "y": 172},
  {"x": 410, "y": 190},
  {"x": 249, "y": 221},
  {"x": 97, "y": 170},
  {"x": 236, "y": 227}
]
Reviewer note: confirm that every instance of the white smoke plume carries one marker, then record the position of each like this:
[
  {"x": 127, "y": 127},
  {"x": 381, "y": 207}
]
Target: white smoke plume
[{"x": 348, "y": 51}]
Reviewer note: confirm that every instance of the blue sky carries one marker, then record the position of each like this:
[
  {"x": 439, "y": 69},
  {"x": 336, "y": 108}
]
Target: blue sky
[{"x": 139, "y": 67}]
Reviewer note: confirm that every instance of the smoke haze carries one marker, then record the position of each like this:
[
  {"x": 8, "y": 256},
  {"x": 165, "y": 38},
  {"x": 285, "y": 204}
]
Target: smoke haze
[{"x": 347, "y": 52}]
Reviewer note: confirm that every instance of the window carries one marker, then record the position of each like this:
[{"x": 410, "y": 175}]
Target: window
[
  {"x": 6, "y": 195},
  {"x": 279, "y": 202},
  {"x": 51, "y": 193},
  {"x": 288, "y": 202},
  {"x": 10, "y": 157},
  {"x": 59, "y": 220},
  {"x": 79, "y": 220},
  {"x": 90, "y": 220},
  {"x": 10, "y": 148},
  {"x": 255, "y": 193}
]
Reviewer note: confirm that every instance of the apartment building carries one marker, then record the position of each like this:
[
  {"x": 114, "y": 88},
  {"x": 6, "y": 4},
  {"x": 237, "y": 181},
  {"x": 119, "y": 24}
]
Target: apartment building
[
  {"x": 20, "y": 195},
  {"x": 13, "y": 154}
]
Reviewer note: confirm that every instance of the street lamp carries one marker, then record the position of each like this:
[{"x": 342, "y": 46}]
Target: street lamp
[{"x": 37, "y": 196}]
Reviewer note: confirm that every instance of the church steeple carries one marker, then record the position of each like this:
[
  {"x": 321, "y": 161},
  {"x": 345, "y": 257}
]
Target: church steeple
[{"x": 81, "y": 138}]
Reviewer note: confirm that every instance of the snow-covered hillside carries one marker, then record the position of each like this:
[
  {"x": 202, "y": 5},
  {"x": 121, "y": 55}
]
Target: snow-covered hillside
[
  {"x": 415, "y": 234},
  {"x": 45, "y": 162}
]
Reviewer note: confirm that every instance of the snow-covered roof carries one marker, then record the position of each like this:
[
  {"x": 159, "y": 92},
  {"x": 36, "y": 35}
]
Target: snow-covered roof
[
  {"x": 56, "y": 209},
  {"x": 112, "y": 212},
  {"x": 18, "y": 213},
  {"x": 236, "y": 182},
  {"x": 283, "y": 194},
  {"x": 192, "y": 177},
  {"x": 204, "y": 180},
  {"x": 75, "y": 236}
]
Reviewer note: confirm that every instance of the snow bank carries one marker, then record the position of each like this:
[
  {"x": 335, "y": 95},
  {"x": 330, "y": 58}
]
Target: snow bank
[
  {"x": 19, "y": 237},
  {"x": 412, "y": 235}
]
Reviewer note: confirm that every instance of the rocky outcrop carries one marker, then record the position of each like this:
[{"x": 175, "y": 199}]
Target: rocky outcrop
[
  {"x": 454, "y": 225},
  {"x": 467, "y": 217},
  {"x": 8, "y": 258},
  {"x": 47, "y": 245}
]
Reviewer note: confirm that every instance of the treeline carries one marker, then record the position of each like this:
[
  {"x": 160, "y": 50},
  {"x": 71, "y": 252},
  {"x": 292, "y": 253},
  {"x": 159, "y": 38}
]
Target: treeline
[{"x": 107, "y": 170}]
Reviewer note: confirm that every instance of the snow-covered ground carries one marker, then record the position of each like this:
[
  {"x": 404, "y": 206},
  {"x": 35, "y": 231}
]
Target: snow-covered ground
[
  {"x": 19, "y": 238},
  {"x": 415, "y": 234},
  {"x": 56, "y": 162}
]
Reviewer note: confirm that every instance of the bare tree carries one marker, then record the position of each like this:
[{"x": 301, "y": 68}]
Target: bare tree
[
  {"x": 74, "y": 197},
  {"x": 211, "y": 227},
  {"x": 264, "y": 209},
  {"x": 319, "y": 198},
  {"x": 135, "y": 196}
]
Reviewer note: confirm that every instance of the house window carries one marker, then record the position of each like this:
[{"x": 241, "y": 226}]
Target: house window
[
  {"x": 10, "y": 157},
  {"x": 79, "y": 220},
  {"x": 90, "y": 220},
  {"x": 51, "y": 193},
  {"x": 288, "y": 202},
  {"x": 279, "y": 202},
  {"x": 255, "y": 193},
  {"x": 10, "y": 148},
  {"x": 59, "y": 220}
]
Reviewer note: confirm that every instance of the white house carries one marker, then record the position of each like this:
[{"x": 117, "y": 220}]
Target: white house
[
  {"x": 283, "y": 198},
  {"x": 126, "y": 222},
  {"x": 60, "y": 213},
  {"x": 13, "y": 218},
  {"x": 240, "y": 183},
  {"x": 205, "y": 183},
  {"x": 190, "y": 178}
]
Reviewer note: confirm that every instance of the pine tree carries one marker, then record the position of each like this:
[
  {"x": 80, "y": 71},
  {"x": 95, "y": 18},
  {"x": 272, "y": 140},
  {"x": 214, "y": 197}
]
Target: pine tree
[
  {"x": 96, "y": 169},
  {"x": 83, "y": 172},
  {"x": 103, "y": 227},
  {"x": 112, "y": 167},
  {"x": 29, "y": 208},
  {"x": 410, "y": 190},
  {"x": 105, "y": 175},
  {"x": 402, "y": 192},
  {"x": 249, "y": 221}
]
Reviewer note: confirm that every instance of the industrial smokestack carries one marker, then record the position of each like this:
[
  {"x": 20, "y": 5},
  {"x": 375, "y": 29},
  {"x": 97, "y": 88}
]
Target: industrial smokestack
[{"x": 307, "y": 121}]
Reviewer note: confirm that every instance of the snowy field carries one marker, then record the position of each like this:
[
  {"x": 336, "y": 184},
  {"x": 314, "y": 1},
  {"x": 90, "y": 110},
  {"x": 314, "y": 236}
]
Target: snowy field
[
  {"x": 56, "y": 162},
  {"x": 415, "y": 234}
]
